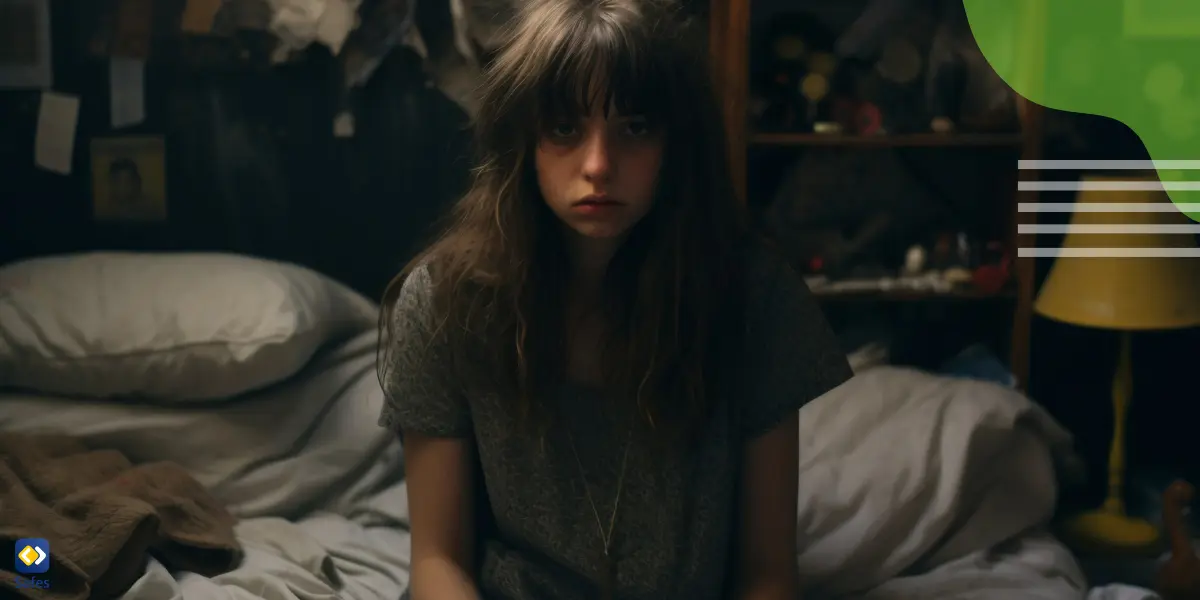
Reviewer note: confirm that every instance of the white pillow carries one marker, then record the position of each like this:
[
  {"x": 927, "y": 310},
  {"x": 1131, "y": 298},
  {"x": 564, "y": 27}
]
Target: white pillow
[
  {"x": 902, "y": 471},
  {"x": 310, "y": 443},
  {"x": 173, "y": 327}
]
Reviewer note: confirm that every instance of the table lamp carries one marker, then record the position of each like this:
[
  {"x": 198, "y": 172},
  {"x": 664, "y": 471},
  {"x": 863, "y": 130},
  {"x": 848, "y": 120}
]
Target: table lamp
[{"x": 1091, "y": 287}]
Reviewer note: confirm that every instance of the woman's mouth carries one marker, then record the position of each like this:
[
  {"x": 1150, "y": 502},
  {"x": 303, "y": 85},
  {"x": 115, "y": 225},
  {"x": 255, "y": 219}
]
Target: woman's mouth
[{"x": 594, "y": 204}]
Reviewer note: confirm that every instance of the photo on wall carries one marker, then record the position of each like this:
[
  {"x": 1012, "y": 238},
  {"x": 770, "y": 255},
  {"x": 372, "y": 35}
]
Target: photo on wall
[
  {"x": 129, "y": 181},
  {"x": 25, "y": 44}
]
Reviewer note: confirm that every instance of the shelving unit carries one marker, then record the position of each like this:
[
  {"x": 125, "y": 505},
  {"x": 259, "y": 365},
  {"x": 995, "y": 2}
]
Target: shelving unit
[
  {"x": 913, "y": 140},
  {"x": 729, "y": 48},
  {"x": 966, "y": 295}
]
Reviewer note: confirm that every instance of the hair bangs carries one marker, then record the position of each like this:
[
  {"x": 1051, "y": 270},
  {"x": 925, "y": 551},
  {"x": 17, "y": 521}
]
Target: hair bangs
[{"x": 605, "y": 64}]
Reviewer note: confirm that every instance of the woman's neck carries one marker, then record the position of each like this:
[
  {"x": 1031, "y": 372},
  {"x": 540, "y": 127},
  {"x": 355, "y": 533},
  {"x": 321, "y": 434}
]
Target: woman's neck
[{"x": 590, "y": 258}]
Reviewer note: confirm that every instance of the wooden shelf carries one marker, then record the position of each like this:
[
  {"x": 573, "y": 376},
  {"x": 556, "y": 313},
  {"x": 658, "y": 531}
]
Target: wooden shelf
[
  {"x": 729, "y": 48},
  {"x": 908, "y": 140},
  {"x": 963, "y": 295}
]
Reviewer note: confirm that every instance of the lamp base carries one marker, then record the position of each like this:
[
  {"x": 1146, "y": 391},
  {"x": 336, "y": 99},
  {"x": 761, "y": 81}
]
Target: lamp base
[{"x": 1110, "y": 532}]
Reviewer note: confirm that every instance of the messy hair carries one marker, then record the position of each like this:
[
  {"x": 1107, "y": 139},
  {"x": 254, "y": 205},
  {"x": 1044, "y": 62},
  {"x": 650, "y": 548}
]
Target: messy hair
[{"x": 498, "y": 270}]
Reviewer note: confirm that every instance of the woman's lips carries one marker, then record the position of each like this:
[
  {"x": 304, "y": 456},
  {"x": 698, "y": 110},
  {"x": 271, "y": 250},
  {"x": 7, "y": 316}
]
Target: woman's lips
[{"x": 593, "y": 205}]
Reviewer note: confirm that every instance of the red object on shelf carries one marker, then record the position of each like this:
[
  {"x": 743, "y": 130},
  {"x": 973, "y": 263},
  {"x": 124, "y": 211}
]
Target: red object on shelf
[
  {"x": 858, "y": 117},
  {"x": 868, "y": 120},
  {"x": 990, "y": 279}
]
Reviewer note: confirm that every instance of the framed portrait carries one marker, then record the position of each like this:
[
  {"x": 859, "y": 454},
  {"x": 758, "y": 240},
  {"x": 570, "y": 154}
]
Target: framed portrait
[
  {"x": 129, "y": 179},
  {"x": 25, "y": 45}
]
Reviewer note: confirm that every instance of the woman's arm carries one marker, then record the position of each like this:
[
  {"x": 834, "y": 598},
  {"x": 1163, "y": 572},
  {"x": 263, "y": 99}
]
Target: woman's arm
[
  {"x": 768, "y": 520},
  {"x": 425, "y": 404},
  {"x": 441, "y": 515}
]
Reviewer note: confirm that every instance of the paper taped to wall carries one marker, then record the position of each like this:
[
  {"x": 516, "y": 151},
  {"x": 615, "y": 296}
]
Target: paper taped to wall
[
  {"x": 54, "y": 146},
  {"x": 127, "y": 91}
]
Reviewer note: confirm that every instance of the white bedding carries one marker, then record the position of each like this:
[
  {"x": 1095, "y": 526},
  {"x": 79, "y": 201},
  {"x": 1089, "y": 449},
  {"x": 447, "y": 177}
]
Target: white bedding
[
  {"x": 1034, "y": 566},
  {"x": 320, "y": 557},
  {"x": 317, "y": 484},
  {"x": 309, "y": 443},
  {"x": 912, "y": 486}
]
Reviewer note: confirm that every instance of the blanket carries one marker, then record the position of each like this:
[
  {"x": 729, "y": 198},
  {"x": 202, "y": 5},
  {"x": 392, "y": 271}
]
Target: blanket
[{"x": 101, "y": 517}]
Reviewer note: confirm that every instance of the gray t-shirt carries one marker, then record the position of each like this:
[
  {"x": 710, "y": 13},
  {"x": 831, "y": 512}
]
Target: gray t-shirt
[{"x": 676, "y": 527}]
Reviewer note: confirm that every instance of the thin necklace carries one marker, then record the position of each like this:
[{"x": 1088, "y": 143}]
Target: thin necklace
[{"x": 606, "y": 534}]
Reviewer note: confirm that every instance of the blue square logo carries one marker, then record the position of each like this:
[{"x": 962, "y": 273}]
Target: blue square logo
[{"x": 32, "y": 555}]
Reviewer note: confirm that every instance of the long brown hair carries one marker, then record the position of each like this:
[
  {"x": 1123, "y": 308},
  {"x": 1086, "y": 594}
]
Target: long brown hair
[{"x": 498, "y": 270}]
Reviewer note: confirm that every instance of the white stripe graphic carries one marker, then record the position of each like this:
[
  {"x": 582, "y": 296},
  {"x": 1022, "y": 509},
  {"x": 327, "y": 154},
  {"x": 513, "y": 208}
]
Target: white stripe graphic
[
  {"x": 1107, "y": 186},
  {"x": 1108, "y": 207},
  {"x": 1108, "y": 252},
  {"x": 1108, "y": 165},
  {"x": 1106, "y": 229}
]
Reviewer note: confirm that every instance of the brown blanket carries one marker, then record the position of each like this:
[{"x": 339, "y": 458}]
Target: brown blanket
[{"x": 102, "y": 516}]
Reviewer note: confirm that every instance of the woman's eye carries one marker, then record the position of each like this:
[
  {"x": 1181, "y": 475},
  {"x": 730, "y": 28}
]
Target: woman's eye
[
  {"x": 563, "y": 130},
  {"x": 637, "y": 128}
]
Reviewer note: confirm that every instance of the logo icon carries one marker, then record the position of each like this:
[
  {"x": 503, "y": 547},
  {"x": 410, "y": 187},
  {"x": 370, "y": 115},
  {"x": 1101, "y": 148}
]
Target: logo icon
[{"x": 32, "y": 555}]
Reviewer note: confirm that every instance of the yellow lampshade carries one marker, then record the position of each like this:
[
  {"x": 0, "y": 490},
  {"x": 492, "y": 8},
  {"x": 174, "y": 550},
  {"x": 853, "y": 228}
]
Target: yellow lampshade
[{"x": 1124, "y": 293}]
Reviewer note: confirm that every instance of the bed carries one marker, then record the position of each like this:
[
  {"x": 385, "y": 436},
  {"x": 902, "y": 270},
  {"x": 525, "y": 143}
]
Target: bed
[
  {"x": 257, "y": 378},
  {"x": 317, "y": 488}
]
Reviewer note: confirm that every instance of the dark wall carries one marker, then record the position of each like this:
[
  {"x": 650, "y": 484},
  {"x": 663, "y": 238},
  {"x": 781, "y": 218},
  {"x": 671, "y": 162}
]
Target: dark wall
[
  {"x": 252, "y": 164},
  {"x": 253, "y": 167}
]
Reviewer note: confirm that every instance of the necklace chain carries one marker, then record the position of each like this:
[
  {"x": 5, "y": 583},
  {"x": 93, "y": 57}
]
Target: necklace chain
[{"x": 606, "y": 534}]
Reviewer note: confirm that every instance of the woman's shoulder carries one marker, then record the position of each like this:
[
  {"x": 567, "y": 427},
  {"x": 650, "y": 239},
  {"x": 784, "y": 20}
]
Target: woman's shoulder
[
  {"x": 416, "y": 288},
  {"x": 777, "y": 299},
  {"x": 415, "y": 366},
  {"x": 791, "y": 353},
  {"x": 407, "y": 307},
  {"x": 767, "y": 272}
]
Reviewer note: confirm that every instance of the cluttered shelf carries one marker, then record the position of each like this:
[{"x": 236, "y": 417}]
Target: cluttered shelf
[
  {"x": 808, "y": 76},
  {"x": 912, "y": 295},
  {"x": 954, "y": 267},
  {"x": 908, "y": 140}
]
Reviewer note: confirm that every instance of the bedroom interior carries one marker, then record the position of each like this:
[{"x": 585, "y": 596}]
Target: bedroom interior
[{"x": 204, "y": 199}]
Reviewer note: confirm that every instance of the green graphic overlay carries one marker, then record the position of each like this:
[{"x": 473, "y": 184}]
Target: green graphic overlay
[{"x": 1135, "y": 61}]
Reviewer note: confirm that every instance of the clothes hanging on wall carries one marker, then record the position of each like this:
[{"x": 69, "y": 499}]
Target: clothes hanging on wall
[
  {"x": 296, "y": 24},
  {"x": 384, "y": 25}
]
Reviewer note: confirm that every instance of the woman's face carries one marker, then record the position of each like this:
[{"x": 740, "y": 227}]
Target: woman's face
[{"x": 599, "y": 174}]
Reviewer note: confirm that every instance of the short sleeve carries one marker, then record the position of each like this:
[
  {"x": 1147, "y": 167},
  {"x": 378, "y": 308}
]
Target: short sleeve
[
  {"x": 420, "y": 394},
  {"x": 793, "y": 355}
]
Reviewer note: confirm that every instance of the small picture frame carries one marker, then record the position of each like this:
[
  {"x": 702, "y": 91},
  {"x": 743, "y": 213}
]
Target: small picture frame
[
  {"x": 129, "y": 180},
  {"x": 25, "y": 45}
]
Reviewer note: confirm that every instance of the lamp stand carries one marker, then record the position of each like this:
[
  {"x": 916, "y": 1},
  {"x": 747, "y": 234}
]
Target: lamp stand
[{"x": 1109, "y": 529}]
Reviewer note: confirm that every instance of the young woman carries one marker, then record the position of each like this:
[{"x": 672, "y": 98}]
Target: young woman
[{"x": 595, "y": 373}]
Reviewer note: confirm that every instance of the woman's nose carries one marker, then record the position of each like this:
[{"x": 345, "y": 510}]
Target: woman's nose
[{"x": 597, "y": 159}]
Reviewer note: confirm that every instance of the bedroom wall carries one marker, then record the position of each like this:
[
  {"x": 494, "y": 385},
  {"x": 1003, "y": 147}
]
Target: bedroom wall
[
  {"x": 252, "y": 163},
  {"x": 253, "y": 167}
]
